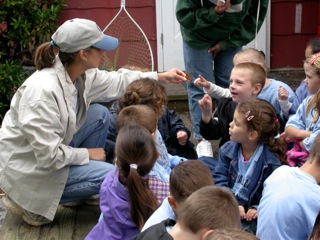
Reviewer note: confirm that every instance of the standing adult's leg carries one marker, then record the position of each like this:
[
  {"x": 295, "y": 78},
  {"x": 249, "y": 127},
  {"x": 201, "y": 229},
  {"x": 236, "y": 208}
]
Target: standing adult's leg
[
  {"x": 93, "y": 132},
  {"x": 223, "y": 64},
  {"x": 196, "y": 62}
]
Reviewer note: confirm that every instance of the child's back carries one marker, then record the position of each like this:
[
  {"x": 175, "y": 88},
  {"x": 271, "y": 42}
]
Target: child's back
[
  {"x": 126, "y": 200},
  {"x": 185, "y": 178}
]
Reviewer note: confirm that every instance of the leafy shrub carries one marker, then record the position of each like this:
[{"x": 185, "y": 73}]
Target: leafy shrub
[
  {"x": 24, "y": 25},
  {"x": 11, "y": 77}
]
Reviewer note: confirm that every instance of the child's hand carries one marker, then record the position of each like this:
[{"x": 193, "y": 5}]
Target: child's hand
[
  {"x": 242, "y": 212},
  {"x": 182, "y": 137},
  {"x": 206, "y": 108},
  {"x": 283, "y": 94},
  {"x": 202, "y": 82},
  {"x": 251, "y": 214}
]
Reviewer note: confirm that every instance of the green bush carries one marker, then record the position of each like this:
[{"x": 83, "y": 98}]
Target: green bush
[
  {"x": 24, "y": 25},
  {"x": 11, "y": 77}
]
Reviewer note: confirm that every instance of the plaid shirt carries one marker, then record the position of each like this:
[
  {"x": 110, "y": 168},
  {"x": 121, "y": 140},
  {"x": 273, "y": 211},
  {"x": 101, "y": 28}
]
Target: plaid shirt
[{"x": 159, "y": 188}]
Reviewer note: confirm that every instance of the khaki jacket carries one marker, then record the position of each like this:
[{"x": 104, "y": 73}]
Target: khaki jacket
[{"x": 34, "y": 138}]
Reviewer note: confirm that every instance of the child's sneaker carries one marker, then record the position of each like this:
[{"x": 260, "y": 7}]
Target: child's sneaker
[
  {"x": 29, "y": 217},
  {"x": 204, "y": 149}
]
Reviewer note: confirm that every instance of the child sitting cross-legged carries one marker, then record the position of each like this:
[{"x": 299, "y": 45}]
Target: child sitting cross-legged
[{"x": 254, "y": 152}]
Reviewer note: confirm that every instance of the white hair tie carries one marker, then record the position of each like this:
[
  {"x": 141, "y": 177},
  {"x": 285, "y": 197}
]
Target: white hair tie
[{"x": 133, "y": 165}]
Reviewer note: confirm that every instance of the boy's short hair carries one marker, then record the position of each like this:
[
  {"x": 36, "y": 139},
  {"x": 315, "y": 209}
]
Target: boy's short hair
[
  {"x": 250, "y": 55},
  {"x": 314, "y": 155},
  {"x": 209, "y": 207},
  {"x": 230, "y": 234},
  {"x": 258, "y": 74},
  {"x": 187, "y": 177},
  {"x": 138, "y": 115}
]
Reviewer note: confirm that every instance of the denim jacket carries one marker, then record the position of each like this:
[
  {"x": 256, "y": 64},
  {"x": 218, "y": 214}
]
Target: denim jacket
[{"x": 226, "y": 171}]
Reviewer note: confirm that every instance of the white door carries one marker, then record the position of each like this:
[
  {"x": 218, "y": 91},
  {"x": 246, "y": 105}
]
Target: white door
[{"x": 169, "y": 40}]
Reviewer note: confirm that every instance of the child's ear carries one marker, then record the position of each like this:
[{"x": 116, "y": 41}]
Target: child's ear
[
  {"x": 206, "y": 233},
  {"x": 257, "y": 89},
  {"x": 153, "y": 135},
  {"x": 173, "y": 204},
  {"x": 253, "y": 135}
]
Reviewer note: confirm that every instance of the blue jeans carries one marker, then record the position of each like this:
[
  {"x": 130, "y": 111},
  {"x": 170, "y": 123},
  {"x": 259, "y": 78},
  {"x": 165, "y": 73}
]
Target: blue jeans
[
  {"x": 201, "y": 62},
  {"x": 84, "y": 180}
]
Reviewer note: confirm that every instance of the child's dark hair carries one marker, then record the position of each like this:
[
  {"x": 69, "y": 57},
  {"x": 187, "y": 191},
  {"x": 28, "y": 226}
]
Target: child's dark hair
[
  {"x": 314, "y": 45},
  {"x": 136, "y": 154},
  {"x": 187, "y": 177},
  {"x": 145, "y": 91},
  {"x": 261, "y": 117}
]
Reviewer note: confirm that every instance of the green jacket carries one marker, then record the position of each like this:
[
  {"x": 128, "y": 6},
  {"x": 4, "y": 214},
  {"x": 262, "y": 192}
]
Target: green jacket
[{"x": 202, "y": 28}]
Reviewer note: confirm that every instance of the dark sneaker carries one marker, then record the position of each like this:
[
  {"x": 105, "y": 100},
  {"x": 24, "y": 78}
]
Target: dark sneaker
[{"x": 29, "y": 217}]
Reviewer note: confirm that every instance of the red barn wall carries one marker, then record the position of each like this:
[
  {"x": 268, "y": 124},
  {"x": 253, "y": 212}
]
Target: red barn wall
[
  {"x": 286, "y": 44},
  {"x": 102, "y": 12},
  {"x": 289, "y": 34}
]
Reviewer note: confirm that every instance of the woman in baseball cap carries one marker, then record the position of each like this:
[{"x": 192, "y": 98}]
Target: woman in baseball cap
[{"x": 53, "y": 135}]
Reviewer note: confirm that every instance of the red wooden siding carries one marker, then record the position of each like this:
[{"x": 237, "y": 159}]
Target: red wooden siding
[
  {"x": 289, "y": 34},
  {"x": 102, "y": 12}
]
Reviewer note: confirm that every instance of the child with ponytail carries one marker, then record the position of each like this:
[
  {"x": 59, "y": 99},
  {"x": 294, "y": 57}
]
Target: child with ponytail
[
  {"x": 126, "y": 200},
  {"x": 254, "y": 152}
]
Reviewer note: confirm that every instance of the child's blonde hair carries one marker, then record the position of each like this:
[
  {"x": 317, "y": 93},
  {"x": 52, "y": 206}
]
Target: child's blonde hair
[
  {"x": 250, "y": 55},
  {"x": 257, "y": 73},
  {"x": 314, "y": 102},
  {"x": 260, "y": 116}
]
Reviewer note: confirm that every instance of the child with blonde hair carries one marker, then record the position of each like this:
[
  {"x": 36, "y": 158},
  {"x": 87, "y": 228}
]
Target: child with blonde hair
[
  {"x": 304, "y": 125},
  {"x": 246, "y": 82},
  {"x": 253, "y": 153},
  {"x": 278, "y": 93},
  {"x": 313, "y": 47}
]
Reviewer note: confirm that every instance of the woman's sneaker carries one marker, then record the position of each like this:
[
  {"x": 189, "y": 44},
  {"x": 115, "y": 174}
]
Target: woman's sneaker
[
  {"x": 29, "y": 217},
  {"x": 204, "y": 149}
]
